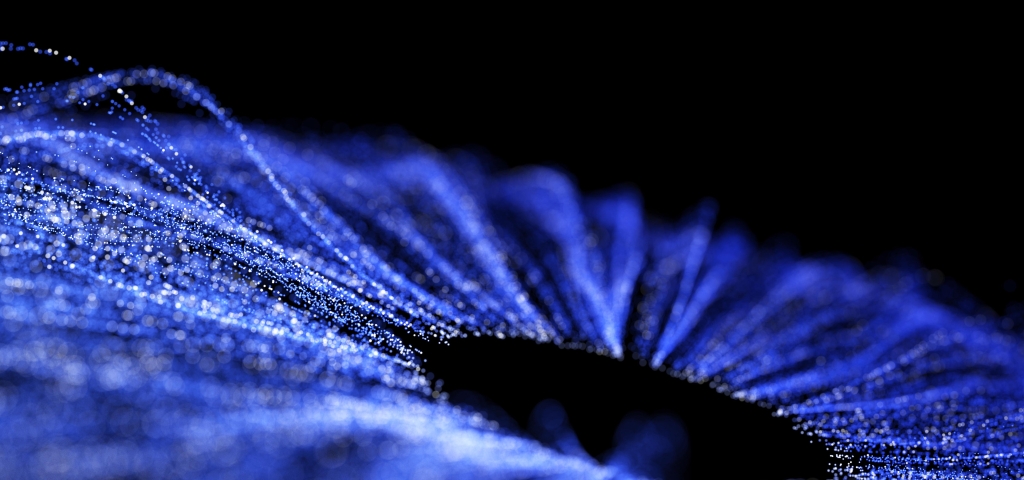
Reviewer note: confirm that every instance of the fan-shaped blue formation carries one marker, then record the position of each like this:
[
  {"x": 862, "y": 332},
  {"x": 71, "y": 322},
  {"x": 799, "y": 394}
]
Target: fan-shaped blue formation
[{"x": 187, "y": 298}]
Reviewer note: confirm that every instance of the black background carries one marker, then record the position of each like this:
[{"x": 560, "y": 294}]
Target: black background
[{"x": 864, "y": 141}]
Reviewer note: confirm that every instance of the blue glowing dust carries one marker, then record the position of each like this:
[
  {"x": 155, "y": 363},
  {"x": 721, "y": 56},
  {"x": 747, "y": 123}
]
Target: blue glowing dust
[{"x": 185, "y": 297}]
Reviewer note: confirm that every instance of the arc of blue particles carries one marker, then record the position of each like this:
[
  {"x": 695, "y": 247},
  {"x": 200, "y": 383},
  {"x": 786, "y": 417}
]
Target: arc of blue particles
[{"x": 184, "y": 297}]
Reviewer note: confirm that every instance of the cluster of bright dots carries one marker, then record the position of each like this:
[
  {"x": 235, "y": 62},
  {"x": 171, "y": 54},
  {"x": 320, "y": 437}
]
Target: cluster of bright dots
[{"x": 181, "y": 297}]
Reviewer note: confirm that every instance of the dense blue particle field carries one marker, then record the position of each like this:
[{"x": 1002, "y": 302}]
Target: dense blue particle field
[{"x": 192, "y": 298}]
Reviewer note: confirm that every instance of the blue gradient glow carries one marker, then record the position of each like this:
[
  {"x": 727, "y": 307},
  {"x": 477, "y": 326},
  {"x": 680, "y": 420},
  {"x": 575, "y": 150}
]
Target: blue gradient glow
[{"x": 184, "y": 297}]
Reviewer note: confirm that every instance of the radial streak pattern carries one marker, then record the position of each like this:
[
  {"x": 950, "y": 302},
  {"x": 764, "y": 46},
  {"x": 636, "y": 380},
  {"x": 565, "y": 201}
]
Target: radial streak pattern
[{"x": 182, "y": 298}]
